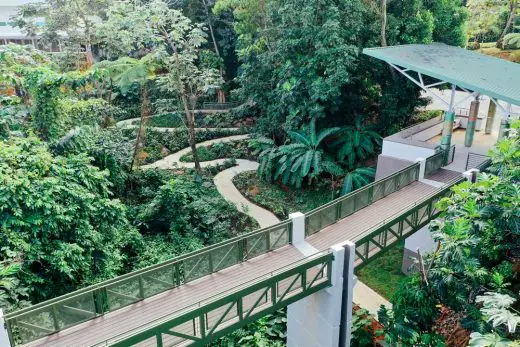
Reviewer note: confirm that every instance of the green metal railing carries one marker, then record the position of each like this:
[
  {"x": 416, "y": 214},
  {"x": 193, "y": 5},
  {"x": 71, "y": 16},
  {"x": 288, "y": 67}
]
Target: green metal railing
[
  {"x": 344, "y": 206},
  {"x": 438, "y": 160},
  {"x": 68, "y": 310},
  {"x": 205, "y": 321},
  {"x": 401, "y": 225}
]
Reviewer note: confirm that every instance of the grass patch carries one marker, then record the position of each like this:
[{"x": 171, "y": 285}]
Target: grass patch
[
  {"x": 384, "y": 273},
  {"x": 490, "y": 49},
  {"x": 281, "y": 200}
]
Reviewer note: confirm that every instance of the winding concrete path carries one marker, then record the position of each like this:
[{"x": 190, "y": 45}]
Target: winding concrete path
[
  {"x": 174, "y": 160},
  {"x": 223, "y": 180},
  {"x": 225, "y": 186}
]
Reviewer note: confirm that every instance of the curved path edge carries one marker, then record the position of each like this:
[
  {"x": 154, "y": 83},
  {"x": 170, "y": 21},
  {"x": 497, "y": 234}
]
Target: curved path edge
[{"x": 224, "y": 179}]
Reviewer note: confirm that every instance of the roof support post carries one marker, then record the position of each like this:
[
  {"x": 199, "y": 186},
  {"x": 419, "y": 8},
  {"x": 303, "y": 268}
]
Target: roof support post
[
  {"x": 449, "y": 120},
  {"x": 420, "y": 82},
  {"x": 504, "y": 123},
  {"x": 472, "y": 121},
  {"x": 492, "y": 111}
]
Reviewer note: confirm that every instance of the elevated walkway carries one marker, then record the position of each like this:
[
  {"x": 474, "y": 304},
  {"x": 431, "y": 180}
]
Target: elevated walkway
[{"x": 196, "y": 298}]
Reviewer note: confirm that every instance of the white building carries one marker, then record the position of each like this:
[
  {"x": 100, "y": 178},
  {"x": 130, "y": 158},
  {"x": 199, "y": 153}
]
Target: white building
[{"x": 10, "y": 34}]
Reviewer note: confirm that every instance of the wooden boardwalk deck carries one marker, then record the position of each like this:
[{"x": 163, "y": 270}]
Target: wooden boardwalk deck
[
  {"x": 169, "y": 303},
  {"x": 359, "y": 224}
]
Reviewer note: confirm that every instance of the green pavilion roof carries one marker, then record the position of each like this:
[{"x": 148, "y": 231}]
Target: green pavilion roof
[{"x": 477, "y": 72}]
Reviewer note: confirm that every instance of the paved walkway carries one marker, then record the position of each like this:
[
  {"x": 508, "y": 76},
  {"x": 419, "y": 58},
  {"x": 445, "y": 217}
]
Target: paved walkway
[
  {"x": 172, "y": 161},
  {"x": 224, "y": 180},
  {"x": 225, "y": 186}
]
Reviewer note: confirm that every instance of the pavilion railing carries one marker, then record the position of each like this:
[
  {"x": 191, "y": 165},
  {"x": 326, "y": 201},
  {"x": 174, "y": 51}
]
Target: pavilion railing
[
  {"x": 68, "y": 310},
  {"x": 477, "y": 161},
  {"x": 438, "y": 160},
  {"x": 205, "y": 321},
  {"x": 401, "y": 225},
  {"x": 344, "y": 206}
]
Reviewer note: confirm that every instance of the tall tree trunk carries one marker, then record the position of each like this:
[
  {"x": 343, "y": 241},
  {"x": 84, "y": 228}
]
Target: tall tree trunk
[
  {"x": 383, "y": 23},
  {"x": 145, "y": 115},
  {"x": 513, "y": 6},
  {"x": 190, "y": 117},
  {"x": 220, "y": 93},
  {"x": 383, "y": 32},
  {"x": 210, "y": 25},
  {"x": 89, "y": 56}
]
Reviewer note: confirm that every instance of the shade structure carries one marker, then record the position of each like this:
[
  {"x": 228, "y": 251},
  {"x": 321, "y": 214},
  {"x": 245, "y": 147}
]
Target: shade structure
[{"x": 477, "y": 72}]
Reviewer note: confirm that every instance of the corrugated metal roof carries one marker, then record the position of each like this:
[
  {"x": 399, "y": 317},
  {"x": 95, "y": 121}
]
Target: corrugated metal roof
[{"x": 487, "y": 75}]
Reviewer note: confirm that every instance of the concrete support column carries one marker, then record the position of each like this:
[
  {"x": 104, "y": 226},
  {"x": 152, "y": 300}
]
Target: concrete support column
[
  {"x": 447, "y": 130},
  {"x": 492, "y": 111},
  {"x": 315, "y": 320},
  {"x": 472, "y": 122},
  {"x": 471, "y": 175},
  {"x": 422, "y": 167},
  {"x": 504, "y": 123},
  {"x": 4, "y": 336},
  {"x": 349, "y": 282}
]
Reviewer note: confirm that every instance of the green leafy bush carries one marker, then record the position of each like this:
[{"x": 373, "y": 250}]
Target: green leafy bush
[
  {"x": 76, "y": 112},
  {"x": 512, "y": 41},
  {"x": 57, "y": 215},
  {"x": 192, "y": 209},
  {"x": 108, "y": 148},
  {"x": 282, "y": 200}
]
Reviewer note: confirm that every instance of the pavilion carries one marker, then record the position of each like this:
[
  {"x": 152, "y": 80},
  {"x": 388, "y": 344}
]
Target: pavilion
[{"x": 432, "y": 66}]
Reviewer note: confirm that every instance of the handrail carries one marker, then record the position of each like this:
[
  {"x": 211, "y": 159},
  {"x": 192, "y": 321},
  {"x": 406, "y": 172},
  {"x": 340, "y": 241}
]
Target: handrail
[
  {"x": 285, "y": 271},
  {"x": 392, "y": 229},
  {"x": 360, "y": 198},
  {"x": 477, "y": 160},
  {"x": 199, "y": 263}
]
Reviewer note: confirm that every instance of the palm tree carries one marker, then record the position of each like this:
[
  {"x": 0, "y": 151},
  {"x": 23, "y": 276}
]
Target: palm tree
[
  {"x": 357, "y": 178},
  {"x": 125, "y": 72},
  {"x": 356, "y": 143},
  {"x": 304, "y": 157}
]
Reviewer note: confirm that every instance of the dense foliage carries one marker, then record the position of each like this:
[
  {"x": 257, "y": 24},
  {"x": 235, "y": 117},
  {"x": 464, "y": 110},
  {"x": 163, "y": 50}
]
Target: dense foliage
[{"x": 58, "y": 216}]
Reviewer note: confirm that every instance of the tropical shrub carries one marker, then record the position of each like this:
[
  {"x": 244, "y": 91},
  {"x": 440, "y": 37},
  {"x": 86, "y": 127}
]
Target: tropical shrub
[
  {"x": 219, "y": 150},
  {"x": 58, "y": 216},
  {"x": 512, "y": 41},
  {"x": 108, "y": 147},
  {"x": 356, "y": 143},
  {"x": 77, "y": 112},
  {"x": 192, "y": 210},
  {"x": 304, "y": 158},
  {"x": 159, "y": 144}
]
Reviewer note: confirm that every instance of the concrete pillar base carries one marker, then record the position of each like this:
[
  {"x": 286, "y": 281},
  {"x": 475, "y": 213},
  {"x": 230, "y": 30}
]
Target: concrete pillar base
[
  {"x": 4, "y": 336},
  {"x": 315, "y": 320},
  {"x": 447, "y": 130}
]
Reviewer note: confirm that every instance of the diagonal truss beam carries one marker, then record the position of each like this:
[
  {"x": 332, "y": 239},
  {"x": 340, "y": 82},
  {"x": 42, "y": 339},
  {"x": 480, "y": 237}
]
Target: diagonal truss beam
[{"x": 419, "y": 81}]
